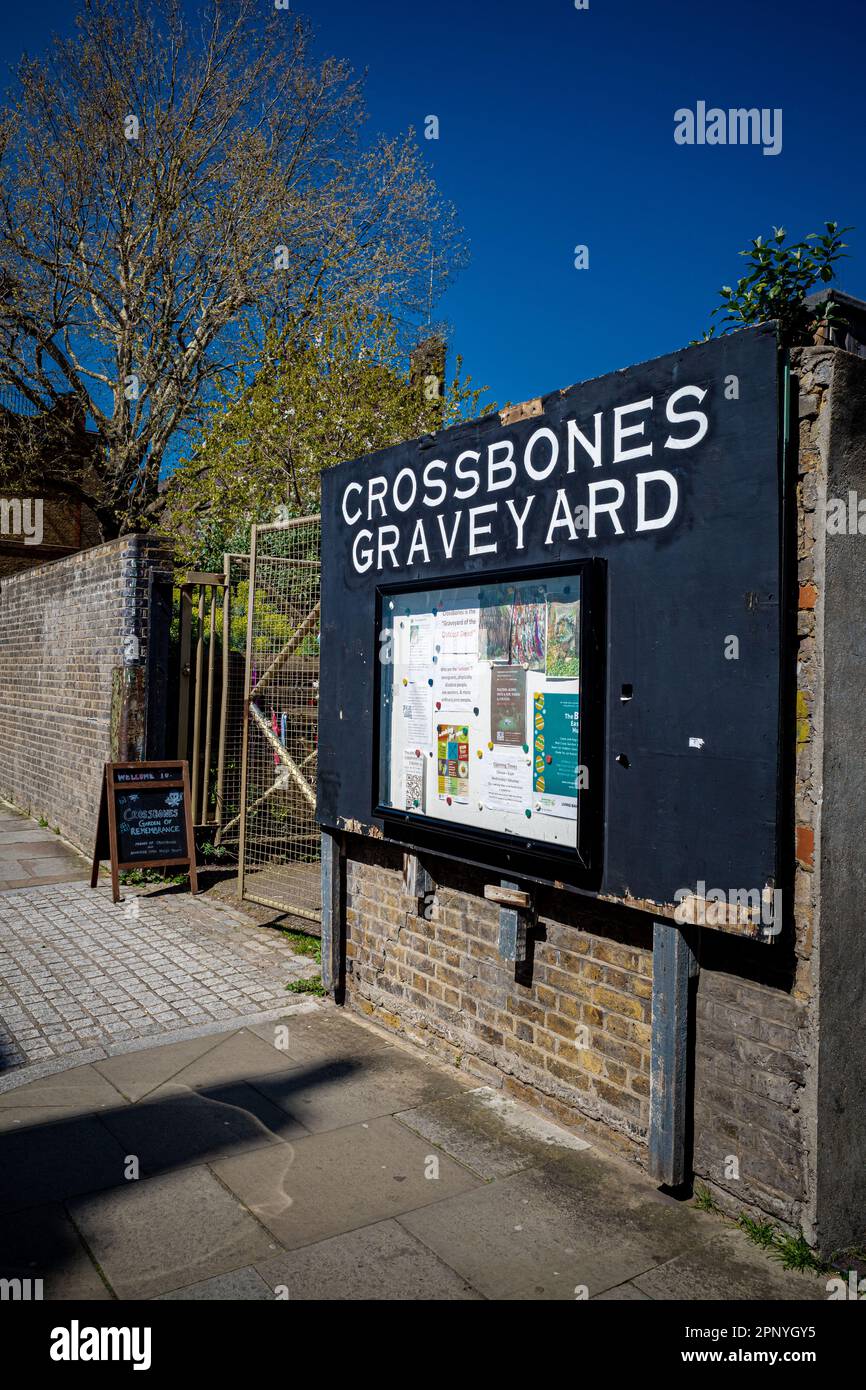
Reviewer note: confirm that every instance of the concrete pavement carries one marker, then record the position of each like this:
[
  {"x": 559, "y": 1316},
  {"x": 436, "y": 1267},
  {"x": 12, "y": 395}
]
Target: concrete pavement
[
  {"x": 171, "y": 1127},
  {"x": 315, "y": 1158},
  {"x": 31, "y": 855}
]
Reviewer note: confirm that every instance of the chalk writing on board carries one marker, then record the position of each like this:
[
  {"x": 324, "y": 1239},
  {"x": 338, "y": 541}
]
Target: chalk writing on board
[{"x": 150, "y": 824}]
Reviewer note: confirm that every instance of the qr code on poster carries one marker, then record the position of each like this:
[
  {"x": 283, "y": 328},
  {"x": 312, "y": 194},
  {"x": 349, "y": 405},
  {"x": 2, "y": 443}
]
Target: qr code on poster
[{"x": 414, "y": 790}]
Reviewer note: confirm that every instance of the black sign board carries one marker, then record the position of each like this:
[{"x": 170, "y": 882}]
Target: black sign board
[
  {"x": 145, "y": 820},
  {"x": 669, "y": 480}
]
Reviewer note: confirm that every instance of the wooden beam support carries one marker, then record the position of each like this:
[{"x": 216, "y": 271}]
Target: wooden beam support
[
  {"x": 675, "y": 966},
  {"x": 291, "y": 767},
  {"x": 205, "y": 577},
  {"x": 506, "y": 895},
  {"x": 332, "y": 912}
]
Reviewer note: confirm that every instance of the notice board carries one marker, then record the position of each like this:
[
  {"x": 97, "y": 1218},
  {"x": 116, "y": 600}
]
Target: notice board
[
  {"x": 145, "y": 820},
  {"x": 662, "y": 488},
  {"x": 480, "y": 726}
]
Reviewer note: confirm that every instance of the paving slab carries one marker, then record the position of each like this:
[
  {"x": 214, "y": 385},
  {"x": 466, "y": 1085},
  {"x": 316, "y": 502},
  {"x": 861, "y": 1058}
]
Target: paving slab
[
  {"x": 30, "y": 853},
  {"x": 45, "y": 864},
  {"x": 81, "y": 1091},
  {"x": 239, "y": 1285},
  {"x": 42, "y": 1243},
  {"x": 23, "y": 831},
  {"x": 328, "y": 1033},
  {"x": 18, "y": 845},
  {"x": 378, "y": 1262},
  {"x": 378, "y": 1083},
  {"x": 241, "y": 1055},
  {"x": 159, "y": 1234},
  {"x": 728, "y": 1266},
  {"x": 50, "y": 1162},
  {"x": 623, "y": 1293},
  {"x": 177, "y": 1126},
  {"x": 339, "y": 1180},
  {"x": 20, "y": 879},
  {"x": 136, "y": 1074},
  {"x": 490, "y": 1133},
  {"x": 535, "y": 1235}
]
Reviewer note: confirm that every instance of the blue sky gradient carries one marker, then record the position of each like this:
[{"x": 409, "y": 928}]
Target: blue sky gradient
[{"x": 556, "y": 129}]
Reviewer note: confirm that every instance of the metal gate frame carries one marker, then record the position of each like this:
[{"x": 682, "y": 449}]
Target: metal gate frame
[
  {"x": 203, "y": 707},
  {"x": 249, "y": 713}
]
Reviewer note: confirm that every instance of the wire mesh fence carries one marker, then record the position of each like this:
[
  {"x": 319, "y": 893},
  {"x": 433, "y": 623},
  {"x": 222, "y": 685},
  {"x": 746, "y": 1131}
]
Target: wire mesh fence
[{"x": 279, "y": 838}]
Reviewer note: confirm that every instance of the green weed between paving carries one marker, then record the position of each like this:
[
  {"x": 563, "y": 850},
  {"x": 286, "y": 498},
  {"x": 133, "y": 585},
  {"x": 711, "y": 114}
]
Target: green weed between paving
[{"x": 792, "y": 1252}]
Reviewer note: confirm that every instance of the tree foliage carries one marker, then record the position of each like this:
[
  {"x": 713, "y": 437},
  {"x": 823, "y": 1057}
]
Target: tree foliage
[
  {"x": 171, "y": 182},
  {"x": 335, "y": 392}
]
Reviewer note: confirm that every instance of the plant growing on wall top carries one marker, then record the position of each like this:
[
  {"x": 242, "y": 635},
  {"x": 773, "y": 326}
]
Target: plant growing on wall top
[{"x": 780, "y": 277}]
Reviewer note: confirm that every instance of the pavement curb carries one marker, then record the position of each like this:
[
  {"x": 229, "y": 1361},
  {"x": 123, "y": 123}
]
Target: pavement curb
[{"x": 36, "y": 1071}]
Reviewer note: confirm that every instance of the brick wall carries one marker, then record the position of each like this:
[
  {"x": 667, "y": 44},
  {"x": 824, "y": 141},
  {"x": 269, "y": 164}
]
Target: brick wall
[
  {"x": 570, "y": 1031},
  {"x": 573, "y": 1028},
  {"x": 750, "y": 1071},
  {"x": 69, "y": 700}
]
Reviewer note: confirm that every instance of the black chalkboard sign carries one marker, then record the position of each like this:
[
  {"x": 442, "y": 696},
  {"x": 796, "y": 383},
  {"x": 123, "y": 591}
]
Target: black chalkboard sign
[{"x": 144, "y": 820}]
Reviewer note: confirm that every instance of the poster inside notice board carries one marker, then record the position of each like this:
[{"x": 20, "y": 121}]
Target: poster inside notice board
[{"x": 480, "y": 707}]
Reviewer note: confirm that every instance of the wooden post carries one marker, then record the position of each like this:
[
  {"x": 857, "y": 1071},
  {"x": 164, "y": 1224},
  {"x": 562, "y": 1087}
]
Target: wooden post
[
  {"x": 185, "y": 671},
  {"x": 674, "y": 967},
  {"x": 332, "y": 912}
]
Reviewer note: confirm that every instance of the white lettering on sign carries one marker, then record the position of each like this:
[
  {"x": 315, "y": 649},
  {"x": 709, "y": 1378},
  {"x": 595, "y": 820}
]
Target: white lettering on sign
[{"x": 557, "y": 463}]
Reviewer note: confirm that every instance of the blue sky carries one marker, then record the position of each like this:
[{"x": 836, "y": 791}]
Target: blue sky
[{"x": 556, "y": 129}]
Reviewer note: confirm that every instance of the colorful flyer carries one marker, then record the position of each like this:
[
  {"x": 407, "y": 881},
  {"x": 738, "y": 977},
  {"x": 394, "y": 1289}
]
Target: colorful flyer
[
  {"x": 508, "y": 706},
  {"x": 556, "y": 720},
  {"x": 495, "y": 639},
  {"x": 528, "y": 635},
  {"x": 563, "y": 639},
  {"x": 452, "y": 751}
]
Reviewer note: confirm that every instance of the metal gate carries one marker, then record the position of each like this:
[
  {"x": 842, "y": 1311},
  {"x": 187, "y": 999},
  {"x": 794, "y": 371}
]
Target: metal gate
[{"x": 279, "y": 850}]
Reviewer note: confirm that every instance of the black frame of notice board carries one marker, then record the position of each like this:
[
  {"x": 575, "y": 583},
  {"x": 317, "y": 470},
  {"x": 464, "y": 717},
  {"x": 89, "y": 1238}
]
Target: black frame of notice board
[
  {"x": 512, "y": 853},
  {"x": 107, "y": 839}
]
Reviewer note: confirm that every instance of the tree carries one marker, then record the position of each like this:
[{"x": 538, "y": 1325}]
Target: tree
[
  {"x": 335, "y": 392},
  {"x": 780, "y": 278},
  {"x": 168, "y": 187}
]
